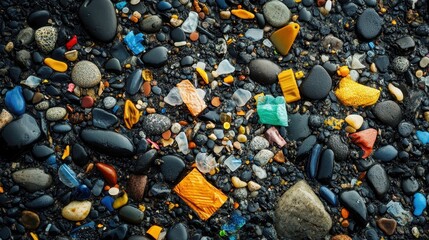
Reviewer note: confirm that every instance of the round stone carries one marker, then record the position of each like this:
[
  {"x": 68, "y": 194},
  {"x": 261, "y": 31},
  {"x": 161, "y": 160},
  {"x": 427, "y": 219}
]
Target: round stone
[
  {"x": 156, "y": 124},
  {"x": 175, "y": 128},
  {"x": 46, "y": 37},
  {"x": 259, "y": 143},
  {"x": 32, "y": 179},
  {"x": 263, "y": 156},
  {"x": 109, "y": 102},
  {"x": 30, "y": 220},
  {"x": 369, "y": 24},
  {"x": 76, "y": 210},
  {"x": 276, "y": 13},
  {"x": 264, "y": 71},
  {"x": 55, "y": 113},
  {"x": 317, "y": 85},
  {"x": 400, "y": 64},
  {"x": 388, "y": 112},
  {"x": 86, "y": 74}
]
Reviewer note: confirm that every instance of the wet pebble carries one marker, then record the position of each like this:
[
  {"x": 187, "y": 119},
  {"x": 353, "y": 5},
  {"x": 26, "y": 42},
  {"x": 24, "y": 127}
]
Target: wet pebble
[
  {"x": 156, "y": 57},
  {"x": 276, "y": 13},
  {"x": 379, "y": 180},
  {"x": 353, "y": 202},
  {"x": 172, "y": 167},
  {"x": 103, "y": 119},
  {"x": 410, "y": 185},
  {"x": 264, "y": 71},
  {"x": 369, "y": 24},
  {"x": 99, "y": 19},
  {"x": 156, "y": 124},
  {"x": 86, "y": 74},
  {"x": 29, "y": 219},
  {"x": 131, "y": 214},
  {"x": 43, "y": 201},
  {"x": 386, "y": 153},
  {"x": 263, "y": 156},
  {"x": 388, "y": 112},
  {"x": 76, "y": 210},
  {"x": 108, "y": 142},
  {"x": 55, "y": 113},
  {"x": 179, "y": 231},
  {"x": 317, "y": 84},
  {"x": 20, "y": 133},
  {"x": 32, "y": 179},
  {"x": 151, "y": 24}
]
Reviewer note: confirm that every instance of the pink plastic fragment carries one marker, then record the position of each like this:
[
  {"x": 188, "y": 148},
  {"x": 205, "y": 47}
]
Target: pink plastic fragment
[
  {"x": 71, "y": 87},
  {"x": 154, "y": 144},
  {"x": 274, "y": 136}
]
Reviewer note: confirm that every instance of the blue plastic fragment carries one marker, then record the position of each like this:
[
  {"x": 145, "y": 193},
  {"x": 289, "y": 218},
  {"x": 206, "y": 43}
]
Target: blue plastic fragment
[
  {"x": 328, "y": 196},
  {"x": 163, "y": 110},
  {"x": 222, "y": 4},
  {"x": 234, "y": 224},
  {"x": 419, "y": 203},
  {"x": 67, "y": 176},
  {"x": 14, "y": 101},
  {"x": 314, "y": 160},
  {"x": 107, "y": 201},
  {"x": 115, "y": 108},
  {"x": 371, "y": 45},
  {"x": 423, "y": 136},
  {"x": 134, "y": 42},
  {"x": 82, "y": 192},
  {"x": 164, "y": 6},
  {"x": 121, "y": 5}
]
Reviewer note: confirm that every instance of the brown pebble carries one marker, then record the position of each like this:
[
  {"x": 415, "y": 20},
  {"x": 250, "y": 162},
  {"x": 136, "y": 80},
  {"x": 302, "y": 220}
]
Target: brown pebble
[
  {"x": 321, "y": 3},
  {"x": 387, "y": 225},
  {"x": 166, "y": 135},
  {"x": 136, "y": 186},
  {"x": 426, "y": 115},
  {"x": 216, "y": 101},
  {"x": 279, "y": 157},
  {"x": 38, "y": 97},
  {"x": 146, "y": 89},
  {"x": 341, "y": 237},
  {"x": 30, "y": 220}
]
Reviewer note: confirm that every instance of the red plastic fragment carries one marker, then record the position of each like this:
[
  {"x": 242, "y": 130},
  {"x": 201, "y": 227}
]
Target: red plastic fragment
[
  {"x": 365, "y": 139},
  {"x": 71, "y": 42}
]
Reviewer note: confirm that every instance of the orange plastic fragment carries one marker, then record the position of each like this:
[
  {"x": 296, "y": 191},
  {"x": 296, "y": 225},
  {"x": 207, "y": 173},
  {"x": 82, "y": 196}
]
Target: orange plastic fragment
[
  {"x": 191, "y": 98},
  {"x": 200, "y": 195},
  {"x": 147, "y": 75},
  {"x": 344, "y": 213},
  {"x": 288, "y": 85},
  {"x": 243, "y": 14},
  {"x": 343, "y": 71},
  {"x": 345, "y": 223},
  {"x": 131, "y": 114},
  {"x": 354, "y": 94},
  {"x": 56, "y": 65},
  {"x": 365, "y": 139},
  {"x": 284, "y": 37},
  {"x": 1, "y": 189},
  {"x": 228, "y": 79},
  {"x": 154, "y": 231}
]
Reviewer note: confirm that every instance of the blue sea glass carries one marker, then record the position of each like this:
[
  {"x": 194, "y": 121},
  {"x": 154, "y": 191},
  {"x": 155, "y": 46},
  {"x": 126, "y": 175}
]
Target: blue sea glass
[{"x": 67, "y": 176}]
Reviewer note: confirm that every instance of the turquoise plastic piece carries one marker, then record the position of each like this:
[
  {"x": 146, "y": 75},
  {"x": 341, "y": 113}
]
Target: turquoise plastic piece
[
  {"x": 423, "y": 136},
  {"x": 272, "y": 110},
  {"x": 134, "y": 42}
]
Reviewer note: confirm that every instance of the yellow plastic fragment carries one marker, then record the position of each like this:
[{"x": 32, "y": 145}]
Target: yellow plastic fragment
[
  {"x": 154, "y": 231},
  {"x": 334, "y": 123},
  {"x": 288, "y": 85},
  {"x": 343, "y": 71},
  {"x": 66, "y": 152},
  {"x": 257, "y": 96},
  {"x": 56, "y": 65},
  {"x": 191, "y": 98},
  {"x": 131, "y": 114},
  {"x": 228, "y": 79},
  {"x": 351, "y": 93},
  {"x": 147, "y": 75},
  {"x": 299, "y": 75},
  {"x": 200, "y": 195},
  {"x": 120, "y": 201},
  {"x": 34, "y": 236},
  {"x": 226, "y": 125},
  {"x": 283, "y": 38},
  {"x": 203, "y": 75},
  {"x": 243, "y": 14}
]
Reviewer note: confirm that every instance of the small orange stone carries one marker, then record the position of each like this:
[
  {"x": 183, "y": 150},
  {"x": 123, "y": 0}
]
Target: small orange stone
[
  {"x": 345, "y": 223},
  {"x": 341, "y": 237},
  {"x": 216, "y": 101},
  {"x": 183, "y": 123},
  {"x": 56, "y": 65},
  {"x": 154, "y": 231},
  {"x": 131, "y": 114},
  {"x": 243, "y": 14},
  {"x": 344, "y": 213},
  {"x": 1, "y": 190},
  {"x": 228, "y": 79},
  {"x": 150, "y": 110},
  {"x": 166, "y": 135},
  {"x": 146, "y": 89},
  {"x": 236, "y": 205},
  {"x": 192, "y": 145},
  {"x": 108, "y": 172},
  {"x": 194, "y": 36},
  {"x": 279, "y": 157}
]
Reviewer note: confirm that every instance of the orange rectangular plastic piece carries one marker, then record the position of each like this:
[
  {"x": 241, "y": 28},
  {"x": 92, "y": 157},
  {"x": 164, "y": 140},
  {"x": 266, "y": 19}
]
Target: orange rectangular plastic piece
[
  {"x": 191, "y": 98},
  {"x": 284, "y": 37},
  {"x": 288, "y": 85},
  {"x": 200, "y": 195}
]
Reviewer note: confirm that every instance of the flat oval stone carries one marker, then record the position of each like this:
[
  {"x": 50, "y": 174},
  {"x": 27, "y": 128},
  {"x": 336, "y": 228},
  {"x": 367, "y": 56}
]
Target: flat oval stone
[
  {"x": 314, "y": 160},
  {"x": 317, "y": 84},
  {"x": 131, "y": 214},
  {"x": 30, "y": 220},
  {"x": 172, "y": 167},
  {"x": 134, "y": 82},
  {"x": 178, "y": 232},
  {"x": 38, "y": 19},
  {"x": 43, "y": 201},
  {"x": 79, "y": 155},
  {"x": 410, "y": 185},
  {"x": 386, "y": 153},
  {"x": 379, "y": 180},
  {"x": 55, "y": 113},
  {"x": 14, "y": 101},
  {"x": 32, "y": 179},
  {"x": 178, "y": 35},
  {"x": 388, "y": 226},
  {"x": 103, "y": 119},
  {"x": 145, "y": 161},
  {"x": 353, "y": 202},
  {"x": 76, "y": 210},
  {"x": 388, "y": 112},
  {"x": 276, "y": 13},
  {"x": 306, "y": 145},
  {"x": 151, "y": 24},
  {"x": 326, "y": 166},
  {"x": 369, "y": 24},
  {"x": 86, "y": 74},
  {"x": 99, "y": 19},
  {"x": 405, "y": 129},
  {"x": 156, "y": 57},
  {"x": 156, "y": 124},
  {"x": 61, "y": 127},
  {"x": 108, "y": 142},
  {"x": 20, "y": 133},
  {"x": 298, "y": 126},
  {"x": 264, "y": 71}
]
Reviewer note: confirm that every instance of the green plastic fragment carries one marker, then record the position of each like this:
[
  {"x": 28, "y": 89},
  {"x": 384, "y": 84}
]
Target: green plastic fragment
[
  {"x": 222, "y": 233},
  {"x": 272, "y": 110}
]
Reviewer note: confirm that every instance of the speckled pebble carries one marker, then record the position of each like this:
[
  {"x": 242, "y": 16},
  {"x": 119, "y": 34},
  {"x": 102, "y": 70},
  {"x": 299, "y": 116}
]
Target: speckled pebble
[
  {"x": 86, "y": 74},
  {"x": 55, "y": 113}
]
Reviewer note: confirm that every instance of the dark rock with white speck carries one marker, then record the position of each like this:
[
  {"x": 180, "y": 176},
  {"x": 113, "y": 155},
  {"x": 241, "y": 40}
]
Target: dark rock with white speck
[
  {"x": 156, "y": 124},
  {"x": 340, "y": 148},
  {"x": 353, "y": 202},
  {"x": 400, "y": 64}
]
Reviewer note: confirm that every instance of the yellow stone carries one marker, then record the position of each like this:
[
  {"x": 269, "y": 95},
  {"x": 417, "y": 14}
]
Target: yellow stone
[
  {"x": 238, "y": 183},
  {"x": 299, "y": 75},
  {"x": 350, "y": 129},
  {"x": 343, "y": 71},
  {"x": 147, "y": 75},
  {"x": 226, "y": 125},
  {"x": 66, "y": 152},
  {"x": 71, "y": 55},
  {"x": 203, "y": 75},
  {"x": 76, "y": 210},
  {"x": 354, "y": 120},
  {"x": 396, "y": 92},
  {"x": 56, "y": 65},
  {"x": 154, "y": 231},
  {"x": 354, "y": 94},
  {"x": 241, "y": 138},
  {"x": 241, "y": 130},
  {"x": 283, "y": 38},
  {"x": 228, "y": 79},
  {"x": 243, "y": 14},
  {"x": 120, "y": 201}
]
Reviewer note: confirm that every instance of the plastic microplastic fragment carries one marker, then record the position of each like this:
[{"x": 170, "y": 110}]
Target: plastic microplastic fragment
[
  {"x": 288, "y": 85},
  {"x": 351, "y": 93},
  {"x": 134, "y": 42},
  {"x": 191, "y": 98},
  {"x": 200, "y": 195},
  {"x": 272, "y": 110},
  {"x": 284, "y": 37}
]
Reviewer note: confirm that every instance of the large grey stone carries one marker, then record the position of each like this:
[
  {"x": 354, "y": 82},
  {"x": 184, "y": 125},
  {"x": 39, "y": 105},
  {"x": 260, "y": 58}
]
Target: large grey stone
[{"x": 32, "y": 179}]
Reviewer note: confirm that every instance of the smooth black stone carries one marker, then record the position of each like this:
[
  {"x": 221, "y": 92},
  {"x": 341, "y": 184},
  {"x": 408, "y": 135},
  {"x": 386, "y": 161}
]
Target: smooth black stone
[
  {"x": 187, "y": 61},
  {"x": 326, "y": 166},
  {"x": 70, "y": 97},
  {"x": 388, "y": 112},
  {"x": 410, "y": 186},
  {"x": 60, "y": 77},
  {"x": 371, "y": 234},
  {"x": 20, "y": 134},
  {"x": 53, "y": 91},
  {"x": 41, "y": 152},
  {"x": 108, "y": 142},
  {"x": 305, "y": 15},
  {"x": 145, "y": 161},
  {"x": 14, "y": 73},
  {"x": 369, "y": 24},
  {"x": 156, "y": 124},
  {"x": 44, "y": 72},
  {"x": 138, "y": 238},
  {"x": 103, "y": 119},
  {"x": 330, "y": 67},
  {"x": 339, "y": 146},
  {"x": 404, "y": 45},
  {"x": 58, "y": 54},
  {"x": 131, "y": 214},
  {"x": 156, "y": 57},
  {"x": 118, "y": 233},
  {"x": 5, "y": 233},
  {"x": 264, "y": 71},
  {"x": 134, "y": 82},
  {"x": 151, "y": 24},
  {"x": 38, "y": 19},
  {"x": 350, "y": 9},
  {"x": 172, "y": 167},
  {"x": 378, "y": 179},
  {"x": 28, "y": 94},
  {"x": 382, "y": 63},
  {"x": 306, "y": 146},
  {"x": 405, "y": 129},
  {"x": 43, "y": 201},
  {"x": 364, "y": 164},
  {"x": 317, "y": 84},
  {"x": 113, "y": 65},
  {"x": 260, "y": 19},
  {"x": 178, "y": 232},
  {"x": 142, "y": 146},
  {"x": 99, "y": 19},
  {"x": 298, "y": 126},
  {"x": 178, "y": 35},
  {"x": 353, "y": 202},
  {"x": 61, "y": 128},
  {"x": 386, "y": 153}
]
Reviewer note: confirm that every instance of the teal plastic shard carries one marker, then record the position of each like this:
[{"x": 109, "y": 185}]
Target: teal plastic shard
[{"x": 272, "y": 110}]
